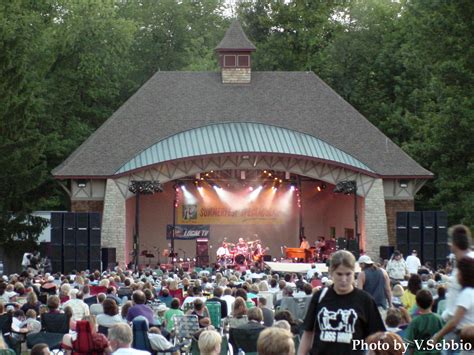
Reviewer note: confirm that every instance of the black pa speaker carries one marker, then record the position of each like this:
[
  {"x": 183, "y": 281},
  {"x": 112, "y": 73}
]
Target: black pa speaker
[
  {"x": 414, "y": 228},
  {"x": 386, "y": 252}
]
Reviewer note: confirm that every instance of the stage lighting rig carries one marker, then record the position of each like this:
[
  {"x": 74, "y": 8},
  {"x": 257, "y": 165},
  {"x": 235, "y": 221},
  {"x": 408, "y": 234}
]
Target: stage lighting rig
[
  {"x": 145, "y": 187},
  {"x": 346, "y": 187}
]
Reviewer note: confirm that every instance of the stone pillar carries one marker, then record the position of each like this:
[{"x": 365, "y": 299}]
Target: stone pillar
[
  {"x": 114, "y": 220},
  {"x": 375, "y": 220},
  {"x": 391, "y": 209}
]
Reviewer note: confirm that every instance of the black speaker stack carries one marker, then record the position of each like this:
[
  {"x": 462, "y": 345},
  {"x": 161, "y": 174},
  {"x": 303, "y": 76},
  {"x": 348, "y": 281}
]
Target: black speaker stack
[
  {"x": 425, "y": 232},
  {"x": 349, "y": 245},
  {"x": 75, "y": 241}
]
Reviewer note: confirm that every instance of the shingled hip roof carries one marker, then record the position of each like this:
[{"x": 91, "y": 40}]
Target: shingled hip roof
[
  {"x": 174, "y": 102},
  {"x": 235, "y": 39}
]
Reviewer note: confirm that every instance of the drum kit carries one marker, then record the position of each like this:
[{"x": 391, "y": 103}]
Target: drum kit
[{"x": 242, "y": 253}]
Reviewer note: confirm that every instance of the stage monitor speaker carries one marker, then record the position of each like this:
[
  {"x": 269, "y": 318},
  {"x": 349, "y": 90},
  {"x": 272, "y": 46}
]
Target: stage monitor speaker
[
  {"x": 352, "y": 246},
  {"x": 402, "y": 228},
  {"x": 69, "y": 220},
  {"x": 94, "y": 237},
  {"x": 341, "y": 243},
  {"x": 109, "y": 258},
  {"x": 441, "y": 227},
  {"x": 386, "y": 252},
  {"x": 82, "y": 220},
  {"x": 95, "y": 220},
  {"x": 414, "y": 228},
  {"x": 57, "y": 220},
  {"x": 82, "y": 237},
  {"x": 57, "y": 236},
  {"x": 267, "y": 258}
]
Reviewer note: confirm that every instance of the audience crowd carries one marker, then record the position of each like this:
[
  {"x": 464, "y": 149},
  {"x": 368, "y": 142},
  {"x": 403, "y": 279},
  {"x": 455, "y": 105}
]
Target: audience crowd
[{"x": 389, "y": 307}]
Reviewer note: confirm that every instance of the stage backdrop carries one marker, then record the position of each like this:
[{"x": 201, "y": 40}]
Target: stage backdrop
[{"x": 273, "y": 216}]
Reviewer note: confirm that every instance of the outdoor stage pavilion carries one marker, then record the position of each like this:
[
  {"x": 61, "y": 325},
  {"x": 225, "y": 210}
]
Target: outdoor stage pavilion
[{"x": 239, "y": 153}]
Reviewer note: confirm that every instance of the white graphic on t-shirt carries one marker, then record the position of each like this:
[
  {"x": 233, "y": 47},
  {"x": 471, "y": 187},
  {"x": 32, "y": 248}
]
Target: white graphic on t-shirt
[{"x": 337, "y": 326}]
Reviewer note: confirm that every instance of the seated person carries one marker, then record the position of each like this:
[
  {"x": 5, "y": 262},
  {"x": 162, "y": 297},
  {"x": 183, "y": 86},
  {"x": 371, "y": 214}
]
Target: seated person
[
  {"x": 199, "y": 310},
  {"x": 245, "y": 335},
  {"x": 159, "y": 343},
  {"x": 275, "y": 341},
  {"x": 210, "y": 343},
  {"x": 86, "y": 340},
  {"x": 139, "y": 308},
  {"x": 32, "y": 324}
]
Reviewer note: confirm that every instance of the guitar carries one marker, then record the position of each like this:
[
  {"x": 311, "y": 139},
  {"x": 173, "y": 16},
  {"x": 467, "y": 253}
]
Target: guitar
[{"x": 257, "y": 254}]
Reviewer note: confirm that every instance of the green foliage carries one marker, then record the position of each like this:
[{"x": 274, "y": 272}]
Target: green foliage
[
  {"x": 66, "y": 66},
  {"x": 22, "y": 160},
  {"x": 406, "y": 66}
]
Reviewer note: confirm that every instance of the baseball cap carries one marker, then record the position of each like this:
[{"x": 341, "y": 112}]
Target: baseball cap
[{"x": 365, "y": 259}]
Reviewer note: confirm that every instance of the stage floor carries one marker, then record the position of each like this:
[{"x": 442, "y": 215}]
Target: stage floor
[{"x": 300, "y": 267}]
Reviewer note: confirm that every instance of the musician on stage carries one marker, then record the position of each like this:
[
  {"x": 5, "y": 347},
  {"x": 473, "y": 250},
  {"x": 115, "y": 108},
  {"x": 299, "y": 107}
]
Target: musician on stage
[
  {"x": 242, "y": 247},
  {"x": 223, "y": 251},
  {"x": 304, "y": 243},
  {"x": 320, "y": 245}
]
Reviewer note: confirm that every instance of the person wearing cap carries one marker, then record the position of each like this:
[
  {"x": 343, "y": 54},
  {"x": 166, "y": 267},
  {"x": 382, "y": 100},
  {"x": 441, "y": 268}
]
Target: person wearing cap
[
  {"x": 375, "y": 281},
  {"x": 413, "y": 262},
  {"x": 160, "y": 314},
  {"x": 397, "y": 267}
]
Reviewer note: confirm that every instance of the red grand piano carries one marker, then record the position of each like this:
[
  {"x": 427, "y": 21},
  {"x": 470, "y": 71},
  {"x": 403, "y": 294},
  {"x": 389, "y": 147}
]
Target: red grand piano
[{"x": 306, "y": 254}]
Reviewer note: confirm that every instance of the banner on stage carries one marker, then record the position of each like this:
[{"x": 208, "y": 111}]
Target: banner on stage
[
  {"x": 188, "y": 231},
  {"x": 219, "y": 214}
]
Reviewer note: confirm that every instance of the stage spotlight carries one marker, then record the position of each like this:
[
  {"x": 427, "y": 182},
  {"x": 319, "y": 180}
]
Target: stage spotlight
[
  {"x": 274, "y": 259},
  {"x": 194, "y": 259},
  {"x": 318, "y": 188},
  {"x": 254, "y": 194},
  {"x": 323, "y": 186},
  {"x": 188, "y": 260},
  {"x": 216, "y": 186},
  {"x": 250, "y": 188},
  {"x": 181, "y": 260}
]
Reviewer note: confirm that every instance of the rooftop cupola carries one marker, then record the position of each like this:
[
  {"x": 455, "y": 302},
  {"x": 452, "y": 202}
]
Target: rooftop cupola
[{"x": 234, "y": 55}]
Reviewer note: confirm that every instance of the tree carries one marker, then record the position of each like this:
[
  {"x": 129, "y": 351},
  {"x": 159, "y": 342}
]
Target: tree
[{"x": 22, "y": 159}]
